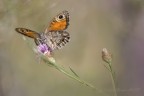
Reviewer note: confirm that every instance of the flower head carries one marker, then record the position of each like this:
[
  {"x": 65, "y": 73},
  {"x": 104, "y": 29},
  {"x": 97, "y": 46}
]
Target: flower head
[
  {"x": 44, "y": 48},
  {"x": 106, "y": 56}
]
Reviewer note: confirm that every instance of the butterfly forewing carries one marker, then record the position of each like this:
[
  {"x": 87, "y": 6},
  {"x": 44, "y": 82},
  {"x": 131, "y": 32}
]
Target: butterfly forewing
[
  {"x": 32, "y": 34},
  {"x": 59, "y": 23},
  {"x": 27, "y": 32}
]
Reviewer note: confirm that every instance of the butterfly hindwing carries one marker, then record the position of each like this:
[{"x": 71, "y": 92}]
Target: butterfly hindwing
[{"x": 58, "y": 39}]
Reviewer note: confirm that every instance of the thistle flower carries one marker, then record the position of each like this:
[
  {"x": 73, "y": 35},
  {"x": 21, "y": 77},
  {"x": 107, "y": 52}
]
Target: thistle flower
[
  {"x": 106, "y": 56},
  {"x": 44, "y": 49}
]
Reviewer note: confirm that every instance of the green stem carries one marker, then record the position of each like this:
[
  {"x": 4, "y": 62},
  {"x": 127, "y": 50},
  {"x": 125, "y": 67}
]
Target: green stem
[
  {"x": 113, "y": 79},
  {"x": 61, "y": 69}
]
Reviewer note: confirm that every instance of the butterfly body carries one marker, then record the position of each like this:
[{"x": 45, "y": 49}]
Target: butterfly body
[{"x": 55, "y": 36}]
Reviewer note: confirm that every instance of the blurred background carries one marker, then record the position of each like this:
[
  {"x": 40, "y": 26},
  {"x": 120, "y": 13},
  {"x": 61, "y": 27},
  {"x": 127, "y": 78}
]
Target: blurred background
[{"x": 94, "y": 24}]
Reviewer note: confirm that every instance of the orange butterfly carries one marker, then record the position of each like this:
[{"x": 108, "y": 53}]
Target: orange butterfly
[{"x": 54, "y": 36}]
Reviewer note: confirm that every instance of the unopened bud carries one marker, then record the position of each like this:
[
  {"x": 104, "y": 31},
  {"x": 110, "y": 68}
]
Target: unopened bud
[{"x": 106, "y": 56}]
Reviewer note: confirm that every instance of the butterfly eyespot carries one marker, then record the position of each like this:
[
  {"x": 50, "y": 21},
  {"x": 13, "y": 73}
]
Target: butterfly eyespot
[{"x": 60, "y": 17}]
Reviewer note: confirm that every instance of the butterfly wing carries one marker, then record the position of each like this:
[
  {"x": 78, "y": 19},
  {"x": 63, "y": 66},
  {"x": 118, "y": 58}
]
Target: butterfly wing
[
  {"x": 59, "y": 23},
  {"x": 27, "y": 32},
  {"x": 57, "y": 39},
  {"x": 30, "y": 33},
  {"x": 55, "y": 34}
]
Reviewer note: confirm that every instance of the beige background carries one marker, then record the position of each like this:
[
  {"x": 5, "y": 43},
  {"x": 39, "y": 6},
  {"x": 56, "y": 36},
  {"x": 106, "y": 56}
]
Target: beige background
[{"x": 94, "y": 24}]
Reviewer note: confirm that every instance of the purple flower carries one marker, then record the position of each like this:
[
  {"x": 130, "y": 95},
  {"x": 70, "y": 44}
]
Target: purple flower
[{"x": 44, "y": 48}]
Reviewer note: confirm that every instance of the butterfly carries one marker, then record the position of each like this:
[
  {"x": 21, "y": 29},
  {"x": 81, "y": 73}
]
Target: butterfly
[{"x": 54, "y": 36}]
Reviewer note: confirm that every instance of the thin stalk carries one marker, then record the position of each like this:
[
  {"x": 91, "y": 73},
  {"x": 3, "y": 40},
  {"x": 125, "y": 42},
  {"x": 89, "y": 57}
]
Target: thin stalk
[
  {"x": 61, "y": 69},
  {"x": 113, "y": 80}
]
